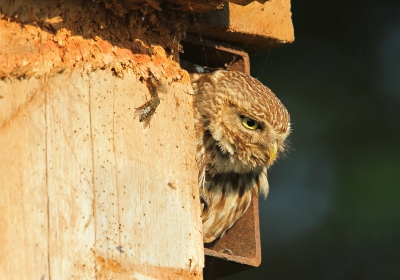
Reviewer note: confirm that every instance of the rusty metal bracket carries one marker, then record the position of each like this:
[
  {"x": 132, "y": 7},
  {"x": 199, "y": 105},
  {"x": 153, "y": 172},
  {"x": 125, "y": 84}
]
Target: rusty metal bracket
[{"x": 240, "y": 247}]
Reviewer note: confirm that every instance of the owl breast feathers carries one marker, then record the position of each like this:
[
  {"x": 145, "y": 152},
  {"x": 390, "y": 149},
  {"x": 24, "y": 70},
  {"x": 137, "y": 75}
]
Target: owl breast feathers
[{"x": 241, "y": 127}]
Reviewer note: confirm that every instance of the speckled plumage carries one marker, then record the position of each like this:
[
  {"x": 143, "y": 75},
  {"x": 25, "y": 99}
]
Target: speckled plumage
[{"x": 233, "y": 159}]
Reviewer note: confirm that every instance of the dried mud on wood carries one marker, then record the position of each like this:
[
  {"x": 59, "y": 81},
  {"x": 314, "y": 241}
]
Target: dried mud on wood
[{"x": 47, "y": 38}]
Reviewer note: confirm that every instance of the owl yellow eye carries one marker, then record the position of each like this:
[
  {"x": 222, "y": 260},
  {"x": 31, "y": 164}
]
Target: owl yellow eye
[{"x": 250, "y": 123}]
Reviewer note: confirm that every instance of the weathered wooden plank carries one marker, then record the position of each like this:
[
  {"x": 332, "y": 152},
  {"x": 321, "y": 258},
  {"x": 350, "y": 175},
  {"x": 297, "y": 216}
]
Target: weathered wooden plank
[
  {"x": 23, "y": 188},
  {"x": 151, "y": 178},
  {"x": 70, "y": 176},
  {"x": 77, "y": 169},
  {"x": 111, "y": 198},
  {"x": 106, "y": 209}
]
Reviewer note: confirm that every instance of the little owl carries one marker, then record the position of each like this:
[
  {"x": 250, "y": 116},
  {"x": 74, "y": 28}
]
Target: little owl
[{"x": 241, "y": 127}]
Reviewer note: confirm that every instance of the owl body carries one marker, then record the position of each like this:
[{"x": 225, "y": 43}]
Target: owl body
[{"x": 241, "y": 127}]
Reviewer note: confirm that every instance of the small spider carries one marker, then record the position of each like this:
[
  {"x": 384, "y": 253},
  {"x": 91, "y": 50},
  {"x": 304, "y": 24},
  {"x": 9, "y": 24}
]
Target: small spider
[{"x": 119, "y": 248}]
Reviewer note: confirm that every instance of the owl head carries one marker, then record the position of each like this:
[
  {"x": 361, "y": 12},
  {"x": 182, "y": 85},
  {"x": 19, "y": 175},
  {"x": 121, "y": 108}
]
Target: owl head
[{"x": 245, "y": 124}]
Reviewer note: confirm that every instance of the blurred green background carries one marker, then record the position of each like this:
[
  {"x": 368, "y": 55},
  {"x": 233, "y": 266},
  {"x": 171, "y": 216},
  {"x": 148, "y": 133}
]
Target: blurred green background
[{"x": 333, "y": 210}]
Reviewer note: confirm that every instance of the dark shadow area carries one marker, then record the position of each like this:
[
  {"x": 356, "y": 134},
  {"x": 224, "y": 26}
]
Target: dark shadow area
[
  {"x": 216, "y": 18},
  {"x": 212, "y": 55},
  {"x": 333, "y": 210}
]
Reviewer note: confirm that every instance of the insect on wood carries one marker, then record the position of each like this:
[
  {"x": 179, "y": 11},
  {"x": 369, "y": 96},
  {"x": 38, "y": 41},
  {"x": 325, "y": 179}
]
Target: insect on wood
[{"x": 146, "y": 111}]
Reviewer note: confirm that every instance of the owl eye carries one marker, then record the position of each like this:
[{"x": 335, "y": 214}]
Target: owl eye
[{"x": 250, "y": 123}]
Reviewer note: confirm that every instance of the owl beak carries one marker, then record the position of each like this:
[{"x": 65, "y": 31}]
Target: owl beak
[{"x": 273, "y": 152}]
